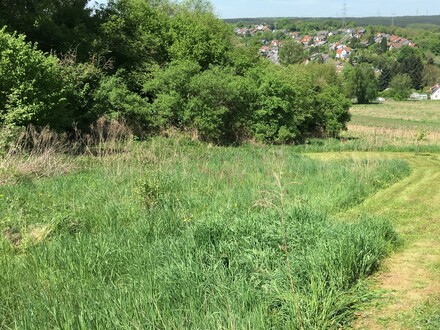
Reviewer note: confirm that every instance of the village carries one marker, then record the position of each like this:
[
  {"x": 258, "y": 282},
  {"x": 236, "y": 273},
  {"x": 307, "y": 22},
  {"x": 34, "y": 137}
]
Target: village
[
  {"x": 335, "y": 46},
  {"x": 338, "y": 50}
]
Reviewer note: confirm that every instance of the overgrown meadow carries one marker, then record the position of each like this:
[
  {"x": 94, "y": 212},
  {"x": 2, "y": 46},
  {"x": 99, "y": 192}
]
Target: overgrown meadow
[{"x": 175, "y": 234}]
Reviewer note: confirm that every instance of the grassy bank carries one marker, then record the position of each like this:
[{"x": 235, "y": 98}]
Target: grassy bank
[{"x": 176, "y": 234}]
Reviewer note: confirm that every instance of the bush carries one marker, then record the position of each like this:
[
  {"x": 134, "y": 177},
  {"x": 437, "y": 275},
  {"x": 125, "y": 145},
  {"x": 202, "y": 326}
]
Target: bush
[
  {"x": 31, "y": 85},
  {"x": 113, "y": 98},
  {"x": 81, "y": 80},
  {"x": 298, "y": 101},
  {"x": 219, "y": 105}
]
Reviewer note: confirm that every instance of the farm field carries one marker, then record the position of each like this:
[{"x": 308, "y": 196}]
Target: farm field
[
  {"x": 176, "y": 234},
  {"x": 397, "y": 124}
]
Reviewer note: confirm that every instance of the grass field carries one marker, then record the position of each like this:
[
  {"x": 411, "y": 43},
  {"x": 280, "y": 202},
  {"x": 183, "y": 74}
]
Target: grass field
[
  {"x": 397, "y": 124},
  {"x": 175, "y": 234},
  {"x": 390, "y": 126}
]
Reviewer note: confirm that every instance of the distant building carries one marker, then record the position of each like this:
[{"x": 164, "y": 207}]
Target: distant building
[
  {"x": 435, "y": 92},
  {"x": 418, "y": 97},
  {"x": 343, "y": 53}
]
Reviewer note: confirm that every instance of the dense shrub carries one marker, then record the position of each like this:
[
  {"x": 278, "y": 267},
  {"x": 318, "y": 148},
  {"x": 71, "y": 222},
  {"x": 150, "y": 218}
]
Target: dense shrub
[
  {"x": 220, "y": 105},
  {"x": 31, "y": 85},
  {"x": 81, "y": 81},
  {"x": 298, "y": 101},
  {"x": 113, "y": 99},
  {"x": 168, "y": 65},
  {"x": 167, "y": 90},
  {"x": 200, "y": 37}
]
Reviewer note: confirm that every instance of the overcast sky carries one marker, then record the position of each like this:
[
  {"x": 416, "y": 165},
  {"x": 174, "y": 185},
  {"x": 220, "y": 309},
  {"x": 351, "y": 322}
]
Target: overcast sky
[{"x": 323, "y": 8}]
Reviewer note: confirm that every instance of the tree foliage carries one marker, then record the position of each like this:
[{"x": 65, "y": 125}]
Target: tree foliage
[
  {"x": 291, "y": 52},
  {"x": 58, "y": 26},
  {"x": 31, "y": 85},
  {"x": 157, "y": 65},
  {"x": 134, "y": 34},
  {"x": 413, "y": 66},
  {"x": 401, "y": 86},
  {"x": 385, "y": 78},
  {"x": 200, "y": 37},
  {"x": 362, "y": 83}
]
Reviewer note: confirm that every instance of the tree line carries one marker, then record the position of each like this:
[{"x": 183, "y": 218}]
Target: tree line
[
  {"x": 156, "y": 65},
  {"x": 323, "y": 23}
]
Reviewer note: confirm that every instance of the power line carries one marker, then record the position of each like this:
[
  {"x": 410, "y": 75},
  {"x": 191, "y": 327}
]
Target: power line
[{"x": 344, "y": 13}]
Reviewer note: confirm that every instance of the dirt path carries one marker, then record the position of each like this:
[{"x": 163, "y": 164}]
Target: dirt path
[{"x": 411, "y": 276}]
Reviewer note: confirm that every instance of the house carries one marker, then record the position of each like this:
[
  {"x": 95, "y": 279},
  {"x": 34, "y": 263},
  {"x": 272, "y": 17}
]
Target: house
[
  {"x": 264, "y": 50},
  {"x": 435, "y": 92},
  {"x": 241, "y": 31},
  {"x": 335, "y": 46},
  {"x": 343, "y": 52},
  {"x": 396, "y": 42},
  {"x": 276, "y": 43},
  {"x": 307, "y": 40},
  {"x": 295, "y": 35},
  {"x": 262, "y": 27}
]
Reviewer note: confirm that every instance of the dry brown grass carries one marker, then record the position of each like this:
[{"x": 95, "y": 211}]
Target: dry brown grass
[
  {"x": 398, "y": 137},
  {"x": 397, "y": 124},
  {"x": 41, "y": 152}
]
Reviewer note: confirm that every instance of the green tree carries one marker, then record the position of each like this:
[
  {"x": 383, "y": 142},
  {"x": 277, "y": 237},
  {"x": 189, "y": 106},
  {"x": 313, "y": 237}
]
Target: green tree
[
  {"x": 296, "y": 101},
  {"x": 278, "y": 113},
  {"x": 431, "y": 75},
  {"x": 291, "y": 52},
  {"x": 58, "y": 26},
  {"x": 362, "y": 83},
  {"x": 134, "y": 34},
  {"x": 81, "y": 80},
  {"x": 201, "y": 6},
  {"x": 168, "y": 92},
  {"x": 330, "y": 108},
  {"x": 114, "y": 99},
  {"x": 383, "y": 45},
  {"x": 401, "y": 87},
  {"x": 413, "y": 66},
  {"x": 434, "y": 45},
  {"x": 385, "y": 77},
  {"x": 200, "y": 37},
  {"x": 220, "y": 105},
  {"x": 406, "y": 52}
]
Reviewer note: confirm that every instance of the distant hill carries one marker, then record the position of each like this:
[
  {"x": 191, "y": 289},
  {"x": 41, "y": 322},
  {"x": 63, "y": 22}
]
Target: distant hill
[{"x": 402, "y": 21}]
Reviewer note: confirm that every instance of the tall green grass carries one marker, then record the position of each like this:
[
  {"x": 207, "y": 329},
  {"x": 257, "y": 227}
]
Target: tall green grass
[{"x": 187, "y": 236}]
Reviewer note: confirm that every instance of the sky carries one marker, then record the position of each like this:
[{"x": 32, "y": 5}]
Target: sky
[{"x": 323, "y": 8}]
